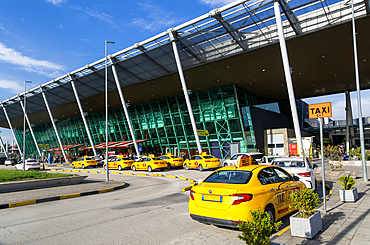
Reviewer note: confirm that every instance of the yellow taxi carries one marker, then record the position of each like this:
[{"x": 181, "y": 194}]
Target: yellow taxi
[
  {"x": 172, "y": 160},
  {"x": 120, "y": 162},
  {"x": 84, "y": 162},
  {"x": 201, "y": 162},
  {"x": 149, "y": 163},
  {"x": 228, "y": 194}
]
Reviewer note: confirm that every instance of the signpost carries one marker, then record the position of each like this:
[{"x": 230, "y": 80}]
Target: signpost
[
  {"x": 321, "y": 111},
  {"x": 203, "y": 132}
]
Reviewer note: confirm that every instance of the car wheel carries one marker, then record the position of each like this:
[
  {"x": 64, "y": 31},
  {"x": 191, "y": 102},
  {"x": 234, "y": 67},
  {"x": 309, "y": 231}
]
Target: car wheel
[
  {"x": 149, "y": 169},
  {"x": 225, "y": 164},
  {"x": 271, "y": 213},
  {"x": 119, "y": 167},
  {"x": 133, "y": 168},
  {"x": 315, "y": 185},
  {"x": 201, "y": 167},
  {"x": 168, "y": 166},
  {"x": 186, "y": 167},
  {"x": 73, "y": 166},
  {"x": 83, "y": 165}
]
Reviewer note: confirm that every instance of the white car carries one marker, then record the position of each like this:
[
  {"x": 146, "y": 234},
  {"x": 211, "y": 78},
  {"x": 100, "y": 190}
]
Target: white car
[
  {"x": 266, "y": 160},
  {"x": 30, "y": 164},
  {"x": 11, "y": 161},
  {"x": 298, "y": 166},
  {"x": 256, "y": 155},
  {"x": 102, "y": 162}
]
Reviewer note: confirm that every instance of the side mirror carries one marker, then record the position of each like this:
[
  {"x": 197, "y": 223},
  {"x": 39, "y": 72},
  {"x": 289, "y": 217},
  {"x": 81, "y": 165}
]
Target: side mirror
[
  {"x": 315, "y": 166},
  {"x": 296, "y": 178}
]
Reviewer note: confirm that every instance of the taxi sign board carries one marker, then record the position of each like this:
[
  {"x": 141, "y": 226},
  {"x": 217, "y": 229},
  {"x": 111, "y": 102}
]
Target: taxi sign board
[
  {"x": 319, "y": 110},
  {"x": 203, "y": 132},
  {"x": 243, "y": 160}
]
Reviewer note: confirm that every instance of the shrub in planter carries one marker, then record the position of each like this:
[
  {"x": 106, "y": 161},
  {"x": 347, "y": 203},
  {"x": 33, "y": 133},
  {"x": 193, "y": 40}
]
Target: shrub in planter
[
  {"x": 349, "y": 192},
  {"x": 258, "y": 230},
  {"x": 307, "y": 222}
]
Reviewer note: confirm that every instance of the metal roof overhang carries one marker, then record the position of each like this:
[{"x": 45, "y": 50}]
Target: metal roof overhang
[{"x": 322, "y": 63}]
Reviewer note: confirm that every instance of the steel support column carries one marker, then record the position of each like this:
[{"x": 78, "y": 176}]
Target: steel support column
[
  {"x": 83, "y": 116},
  {"x": 360, "y": 123},
  {"x": 185, "y": 89},
  {"x": 348, "y": 110},
  {"x": 53, "y": 122},
  {"x": 288, "y": 77},
  {"x": 124, "y": 105},
  {"x": 2, "y": 147},
  {"x": 11, "y": 128},
  {"x": 30, "y": 127}
]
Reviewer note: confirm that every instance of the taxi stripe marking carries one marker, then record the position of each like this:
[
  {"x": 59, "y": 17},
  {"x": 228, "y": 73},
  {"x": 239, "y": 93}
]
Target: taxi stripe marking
[{"x": 283, "y": 230}]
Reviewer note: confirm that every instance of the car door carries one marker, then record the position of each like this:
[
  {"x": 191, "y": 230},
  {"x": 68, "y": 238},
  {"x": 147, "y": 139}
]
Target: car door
[
  {"x": 192, "y": 162},
  {"x": 285, "y": 188},
  {"x": 79, "y": 162}
]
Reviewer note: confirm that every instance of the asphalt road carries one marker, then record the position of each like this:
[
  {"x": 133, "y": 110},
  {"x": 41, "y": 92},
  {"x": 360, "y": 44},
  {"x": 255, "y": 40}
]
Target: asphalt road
[{"x": 149, "y": 211}]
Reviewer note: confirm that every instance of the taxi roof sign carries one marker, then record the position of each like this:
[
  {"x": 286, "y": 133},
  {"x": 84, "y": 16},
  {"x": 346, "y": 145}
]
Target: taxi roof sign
[
  {"x": 319, "y": 110},
  {"x": 243, "y": 160}
]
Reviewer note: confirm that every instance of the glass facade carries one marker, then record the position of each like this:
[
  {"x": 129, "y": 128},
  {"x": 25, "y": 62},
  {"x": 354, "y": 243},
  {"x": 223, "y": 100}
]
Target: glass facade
[{"x": 164, "y": 124}]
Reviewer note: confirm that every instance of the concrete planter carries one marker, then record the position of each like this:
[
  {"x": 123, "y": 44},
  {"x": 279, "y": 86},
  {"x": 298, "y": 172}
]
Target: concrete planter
[
  {"x": 334, "y": 175},
  {"x": 348, "y": 195},
  {"x": 306, "y": 228}
]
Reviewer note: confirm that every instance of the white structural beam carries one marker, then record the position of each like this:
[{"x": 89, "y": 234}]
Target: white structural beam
[
  {"x": 292, "y": 18},
  {"x": 2, "y": 147},
  {"x": 288, "y": 77},
  {"x": 53, "y": 122},
  {"x": 83, "y": 115},
  {"x": 11, "y": 128},
  {"x": 185, "y": 89},
  {"x": 234, "y": 33},
  {"x": 30, "y": 127},
  {"x": 124, "y": 105}
]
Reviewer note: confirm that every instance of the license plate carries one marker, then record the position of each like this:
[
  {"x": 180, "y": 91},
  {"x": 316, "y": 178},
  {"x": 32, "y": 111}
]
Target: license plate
[
  {"x": 34, "y": 164},
  {"x": 212, "y": 198}
]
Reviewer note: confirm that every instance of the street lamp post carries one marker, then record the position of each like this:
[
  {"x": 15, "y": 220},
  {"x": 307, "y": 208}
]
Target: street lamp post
[
  {"x": 106, "y": 110},
  {"x": 24, "y": 126}
]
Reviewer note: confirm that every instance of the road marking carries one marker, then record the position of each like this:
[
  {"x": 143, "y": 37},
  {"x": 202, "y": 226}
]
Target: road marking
[
  {"x": 17, "y": 204},
  {"x": 115, "y": 173},
  {"x": 171, "y": 176},
  {"x": 283, "y": 230},
  {"x": 106, "y": 190},
  {"x": 70, "y": 196}
]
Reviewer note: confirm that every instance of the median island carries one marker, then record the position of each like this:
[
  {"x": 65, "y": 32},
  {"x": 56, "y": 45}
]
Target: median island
[{"x": 17, "y": 175}]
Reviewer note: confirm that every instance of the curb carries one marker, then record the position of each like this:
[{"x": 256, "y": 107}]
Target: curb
[
  {"x": 56, "y": 198},
  {"x": 128, "y": 173}
]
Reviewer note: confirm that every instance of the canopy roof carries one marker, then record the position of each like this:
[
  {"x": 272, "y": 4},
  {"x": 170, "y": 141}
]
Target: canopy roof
[{"x": 235, "y": 44}]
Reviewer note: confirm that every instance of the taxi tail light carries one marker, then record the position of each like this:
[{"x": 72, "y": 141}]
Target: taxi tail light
[
  {"x": 192, "y": 194},
  {"x": 239, "y": 198},
  {"x": 28, "y": 164},
  {"x": 208, "y": 161},
  {"x": 308, "y": 174},
  {"x": 156, "y": 162}
]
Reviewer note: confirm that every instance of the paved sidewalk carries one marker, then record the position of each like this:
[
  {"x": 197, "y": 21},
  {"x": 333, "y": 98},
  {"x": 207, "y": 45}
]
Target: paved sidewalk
[
  {"x": 88, "y": 187},
  {"x": 343, "y": 223}
]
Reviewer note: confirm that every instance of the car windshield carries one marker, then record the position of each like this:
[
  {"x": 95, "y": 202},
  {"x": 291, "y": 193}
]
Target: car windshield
[
  {"x": 88, "y": 158},
  {"x": 31, "y": 161},
  {"x": 156, "y": 158},
  {"x": 164, "y": 158},
  {"x": 208, "y": 156},
  {"x": 125, "y": 158},
  {"x": 229, "y": 177},
  {"x": 293, "y": 164}
]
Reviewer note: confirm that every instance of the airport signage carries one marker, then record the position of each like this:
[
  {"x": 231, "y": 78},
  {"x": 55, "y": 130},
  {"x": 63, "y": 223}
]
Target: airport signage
[
  {"x": 319, "y": 110},
  {"x": 203, "y": 133}
]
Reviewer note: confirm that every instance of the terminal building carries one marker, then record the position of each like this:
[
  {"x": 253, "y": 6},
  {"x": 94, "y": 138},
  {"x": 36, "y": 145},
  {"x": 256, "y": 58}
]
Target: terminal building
[{"x": 214, "y": 83}]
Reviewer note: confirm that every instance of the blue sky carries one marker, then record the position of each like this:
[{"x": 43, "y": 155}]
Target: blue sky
[{"x": 43, "y": 39}]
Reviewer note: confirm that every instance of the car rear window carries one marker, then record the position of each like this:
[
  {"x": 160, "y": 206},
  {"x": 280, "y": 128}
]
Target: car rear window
[
  {"x": 229, "y": 177},
  {"x": 88, "y": 158},
  {"x": 164, "y": 158},
  {"x": 292, "y": 164},
  {"x": 31, "y": 161},
  {"x": 208, "y": 156}
]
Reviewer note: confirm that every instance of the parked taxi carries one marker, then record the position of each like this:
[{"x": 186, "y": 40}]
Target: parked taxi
[
  {"x": 172, "y": 160},
  {"x": 201, "y": 162},
  {"x": 228, "y": 194},
  {"x": 149, "y": 163},
  {"x": 84, "y": 162},
  {"x": 120, "y": 162}
]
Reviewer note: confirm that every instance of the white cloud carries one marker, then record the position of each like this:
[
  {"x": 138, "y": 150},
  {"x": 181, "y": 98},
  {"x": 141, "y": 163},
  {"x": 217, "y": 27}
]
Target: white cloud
[
  {"x": 157, "y": 18},
  {"x": 217, "y": 3},
  {"x": 42, "y": 67},
  {"x": 3, "y": 28},
  {"x": 55, "y": 2},
  {"x": 11, "y": 85}
]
